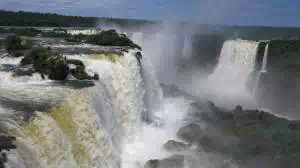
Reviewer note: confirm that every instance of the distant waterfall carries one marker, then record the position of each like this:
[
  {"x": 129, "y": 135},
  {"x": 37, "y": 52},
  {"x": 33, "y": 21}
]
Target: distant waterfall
[
  {"x": 263, "y": 67},
  {"x": 230, "y": 77},
  {"x": 265, "y": 59}
]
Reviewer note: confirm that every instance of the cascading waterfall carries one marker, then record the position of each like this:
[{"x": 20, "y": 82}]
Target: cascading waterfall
[
  {"x": 236, "y": 63},
  {"x": 153, "y": 96},
  {"x": 91, "y": 127}
]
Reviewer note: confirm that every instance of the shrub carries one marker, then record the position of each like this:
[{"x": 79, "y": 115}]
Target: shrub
[
  {"x": 17, "y": 43},
  {"x": 55, "y": 66},
  {"x": 13, "y": 43},
  {"x": 47, "y": 63},
  {"x": 112, "y": 38}
]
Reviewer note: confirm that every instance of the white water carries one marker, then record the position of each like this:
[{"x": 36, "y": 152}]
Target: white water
[
  {"x": 263, "y": 68},
  {"x": 265, "y": 59},
  {"x": 97, "y": 127},
  {"x": 231, "y": 76},
  {"x": 101, "y": 126}
]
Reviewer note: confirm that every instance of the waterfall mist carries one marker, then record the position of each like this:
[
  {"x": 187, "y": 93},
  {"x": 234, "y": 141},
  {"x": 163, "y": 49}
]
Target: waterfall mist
[{"x": 170, "y": 49}]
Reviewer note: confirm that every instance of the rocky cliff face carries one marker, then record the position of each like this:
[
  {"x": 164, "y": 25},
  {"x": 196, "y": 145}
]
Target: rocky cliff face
[{"x": 279, "y": 86}]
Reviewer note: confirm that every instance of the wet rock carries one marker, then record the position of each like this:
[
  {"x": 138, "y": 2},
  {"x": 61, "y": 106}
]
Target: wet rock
[
  {"x": 76, "y": 62},
  {"x": 6, "y": 144},
  {"x": 176, "y": 161},
  {"x": 174, "y": 146},
  {"x": 139, "y": 56},
  {"x": 96, "y": 76},
  {"x": 190, "y": 133},
  {"x": 152, "y": 163},
  {"x": 26, "y": 70},
  {"x": 80, "y": 73}
]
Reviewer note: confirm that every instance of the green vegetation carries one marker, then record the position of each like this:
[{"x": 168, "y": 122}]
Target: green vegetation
[
  {"x": 47, "y": 63},
  {"x": 1, "y": 43},
  {"x": 17, "y": 43},
  {"x": 112, "y": 38},
  {"x": 260, "y": 134},
  {"x": 78, "y": 72},
  {"x": 261, "y": 33},
  {"x": 21, "y": 18},
  {"x": 55, "y": 66},
  {"x": 104, "y": 38}
]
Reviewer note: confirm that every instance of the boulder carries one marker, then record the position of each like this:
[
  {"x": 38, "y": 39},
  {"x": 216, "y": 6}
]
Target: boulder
[
  {"x": 191, "y": 133},
  {"x": 174, "y": 146},
  {"x": 176, "y": 161},
  {"x": 139, "y": 56}
]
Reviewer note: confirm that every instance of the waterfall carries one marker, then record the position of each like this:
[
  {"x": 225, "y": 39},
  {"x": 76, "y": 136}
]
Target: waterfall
[
  {"x": 263, "y": 68},
  {"x": 265, "y": 59},
  {"x": 230, "y": 77},
  {"x": 153, "y": 96},
  {"x": 92, "y": 125}
]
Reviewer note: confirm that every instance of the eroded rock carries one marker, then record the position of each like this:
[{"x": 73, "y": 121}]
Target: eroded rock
[{"x": 176, "y": 161}]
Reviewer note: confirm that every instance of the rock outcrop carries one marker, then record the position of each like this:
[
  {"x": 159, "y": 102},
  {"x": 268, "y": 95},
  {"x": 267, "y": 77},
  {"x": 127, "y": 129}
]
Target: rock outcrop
[
  {"x": 53, "y": 65},
  {"x": 6, "y": 144},
  {"x": 176, "y": 161}
]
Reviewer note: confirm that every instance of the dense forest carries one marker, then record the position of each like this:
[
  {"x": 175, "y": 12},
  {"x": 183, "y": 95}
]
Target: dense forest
[
  {"x": 21, "y": 18},
  {"x": 33, "y": 19}
]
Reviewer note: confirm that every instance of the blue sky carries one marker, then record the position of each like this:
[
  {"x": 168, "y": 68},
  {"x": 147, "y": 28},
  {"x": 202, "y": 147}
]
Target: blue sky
[{"x": 230, "y": 12}]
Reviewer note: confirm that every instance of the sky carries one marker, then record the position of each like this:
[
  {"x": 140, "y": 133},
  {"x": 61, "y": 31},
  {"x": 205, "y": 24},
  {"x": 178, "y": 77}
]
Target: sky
[{"x": 229, "y": 12}]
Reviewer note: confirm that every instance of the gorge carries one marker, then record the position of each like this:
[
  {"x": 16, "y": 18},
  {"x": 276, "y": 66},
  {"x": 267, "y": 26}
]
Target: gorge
[{"x": 152, "y": 104}]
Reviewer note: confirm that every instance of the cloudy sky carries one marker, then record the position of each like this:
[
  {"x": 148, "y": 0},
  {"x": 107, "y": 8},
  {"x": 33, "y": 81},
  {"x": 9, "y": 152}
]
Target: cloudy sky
[{"x": 231, "y": 12}]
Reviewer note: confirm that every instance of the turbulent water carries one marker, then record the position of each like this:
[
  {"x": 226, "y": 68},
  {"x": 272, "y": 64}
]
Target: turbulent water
[
  {"x": 100, "y": 126},
  {"x": 123, "y": 120}
]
